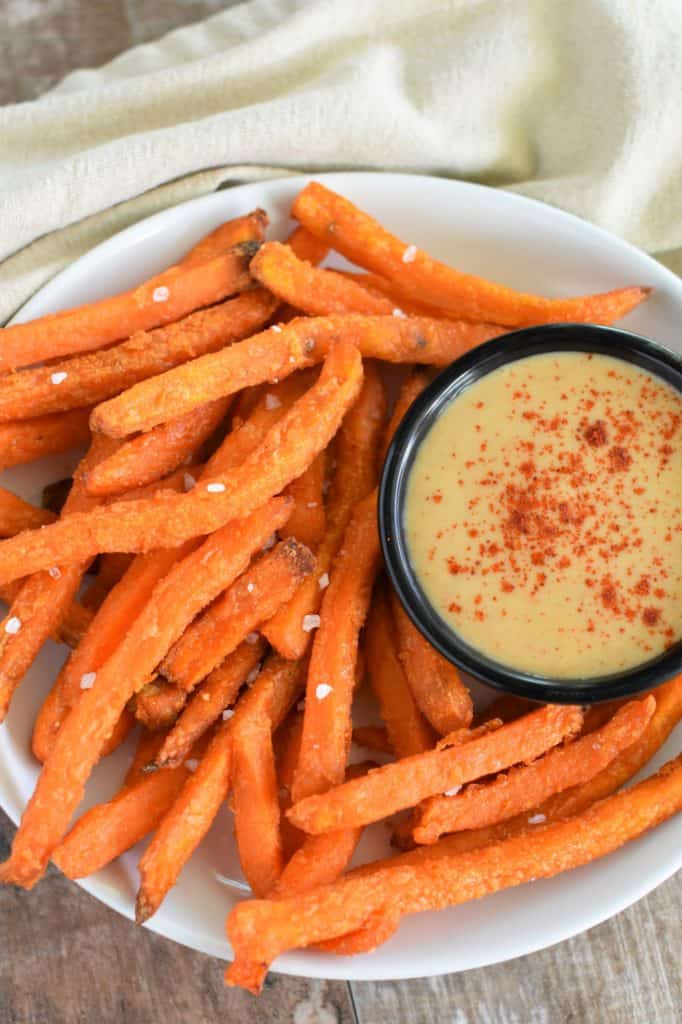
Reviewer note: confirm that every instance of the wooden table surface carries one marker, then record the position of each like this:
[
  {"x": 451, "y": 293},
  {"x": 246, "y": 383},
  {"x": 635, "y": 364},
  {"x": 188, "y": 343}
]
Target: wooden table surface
[{"x": 66, "y": 959}]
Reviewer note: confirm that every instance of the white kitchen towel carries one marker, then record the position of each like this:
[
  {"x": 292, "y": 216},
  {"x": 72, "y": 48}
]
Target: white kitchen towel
[{"x": 576, "y": 102}]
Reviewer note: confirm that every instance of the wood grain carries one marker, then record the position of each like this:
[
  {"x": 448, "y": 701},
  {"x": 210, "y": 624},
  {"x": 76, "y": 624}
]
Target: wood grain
[{"x": 66, "y": 959}]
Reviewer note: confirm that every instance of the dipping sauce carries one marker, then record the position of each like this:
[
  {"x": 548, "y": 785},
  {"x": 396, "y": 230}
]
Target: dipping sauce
[{"x": 543, "y": 515}]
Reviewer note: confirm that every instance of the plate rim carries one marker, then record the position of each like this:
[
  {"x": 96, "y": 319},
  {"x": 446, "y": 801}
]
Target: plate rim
[{"x": 301, "y": 963}]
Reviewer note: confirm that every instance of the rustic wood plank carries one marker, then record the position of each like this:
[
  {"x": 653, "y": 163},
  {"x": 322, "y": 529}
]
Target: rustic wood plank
[{"x": 67, "y": 959}]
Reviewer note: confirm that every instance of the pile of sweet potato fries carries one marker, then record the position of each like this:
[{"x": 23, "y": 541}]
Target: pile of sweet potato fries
[{"x": 224, "y": 514}]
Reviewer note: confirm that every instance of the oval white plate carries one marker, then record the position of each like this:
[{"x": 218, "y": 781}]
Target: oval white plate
[{"x": 510, "y": 239}]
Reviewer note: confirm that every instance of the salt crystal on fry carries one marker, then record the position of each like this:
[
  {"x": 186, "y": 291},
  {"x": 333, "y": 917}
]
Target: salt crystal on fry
[
  {"x": 322, "y": 691},
  {"x": 323, "y": 581},
  {"x": 88, "y": 680},
  {"x": 452, "y": 792},
  {"x": 13, "y": 625},
  {"x": 399, "y": 313},
  {"x": 276, "y": 328},
  {"x": 188, "y": 481},
  {"x": 409, "y": 254},
  {"x": 58, "y": 378},
  {"x": 310, "y": 622},
  {"x": 227, "y": 714},
  {"x": 215, "y": 488},
  {"x": 251, "y": 638},
  {"x": 160, "y": 294},
  {"x": 272, "y": 402},
  {"x": 55, "y": 573},
  {"x": 192, "y": 764},
  {"x": 537, "y": 819}
]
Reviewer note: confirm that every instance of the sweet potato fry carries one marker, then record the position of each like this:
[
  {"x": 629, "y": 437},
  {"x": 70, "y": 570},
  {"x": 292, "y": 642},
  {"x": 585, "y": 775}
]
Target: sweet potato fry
[
  {"x": 43, "y": 599},
  {"x": 255, "y": 791},
  {"x": 250, "y": 601},
  {"x": 157, "y": 704},
  {"x": 249, "y": 228},
  {"x": 408, "y": 732},
  {"x": 185, "y": 824},
  {"x": 256, "y": 805},
  {"x": 354, "y": 478},
  {"x": 17, "y": 515},
  {"x": 267, "y": 410},
  {"x": 287, "y": 744},
  {"x": 524, "y": 788},
  {"x": 110, "y": 570},
  {"x": 321, "y": 859},
  {"x": 362, "y": 240},
  {"x": 374, "y": 737},
  {"x": 73, "y": 626},
  {"x": 168, "y": 520},
  {"x": 411, "y": 389},
  {"x": 378, "y": 929},
  {"x": 91, "y": 378},
  {"x": 149, "y": 457},
  {"x": 217, "y": 693},
  {"x": 162, "y": 299},
  {"x": 331, "y": 676},
  {"x": 192, "y": 814},
  {"x": 508, "y": 707},
  {"x": 436, "y": 686},
  {"x": 436, "y": 877},
  {"x": 308, "y": 520},
  {"x": 306, "y": 246},
  {"x": 406, "y": 782},
  {"x": 301, "y": 343},
  {"x": 164, "y": 618},
  {"x": 400, "y": 302},
  {"x": 148, "y": 745},
  {"x": 315, "y": 291},
  {"x": 578, "y": 798},
  {"x": 25, "y": 440},
  {"x": 110, "y": 624},
  {"x": 109, "y": 829}
]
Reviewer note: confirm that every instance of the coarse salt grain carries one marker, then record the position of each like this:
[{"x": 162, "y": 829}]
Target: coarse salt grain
[
  {"x": 323, "y": 581},
  {"x": 409, "y": 254},
  {"x": 251, "y": 638},
  {"x": 13, "y": 625},
  {"x": 399, "y": 313},
  {"x": 215, "y": 488},
  {"x": 250, "y": 587},
  {"x": 188, "y": 481},
  {"x": 270, "y": 542},
  {"x": 537, "y": 819},
  {"x": 253, "y": 675},
  {"x": 160, "y": 294},
  {"x": 310, "y": 622},
  {"x": 57, "y": 378},
  {"x": 452, "y": 792},
  {"x": 322, "y": 691},
  {"x": 272, "y": 402},
  {"x": 206, "y": 696},
  {"x": 192, "y": 764},
  {"x": 227, "y": 714},
  {"x": 55, "y": 573},
  {"x": 276, "y": 328},
  {"x": 88, "y": 680},
  {"x": 311, "y": 504}
]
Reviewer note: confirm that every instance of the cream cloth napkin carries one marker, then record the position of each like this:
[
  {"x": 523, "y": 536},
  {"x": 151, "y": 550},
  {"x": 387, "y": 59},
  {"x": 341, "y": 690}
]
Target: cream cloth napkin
[{"x": 576, "y": 102}]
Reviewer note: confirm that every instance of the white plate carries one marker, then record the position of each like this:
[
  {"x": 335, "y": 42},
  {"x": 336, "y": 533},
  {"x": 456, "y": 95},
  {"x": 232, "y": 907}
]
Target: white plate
[{"x": 510, "y": 239}]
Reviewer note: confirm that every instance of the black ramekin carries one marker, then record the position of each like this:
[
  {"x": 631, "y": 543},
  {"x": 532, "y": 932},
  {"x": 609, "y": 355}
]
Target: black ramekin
[{"x": 418, "y": 420}]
